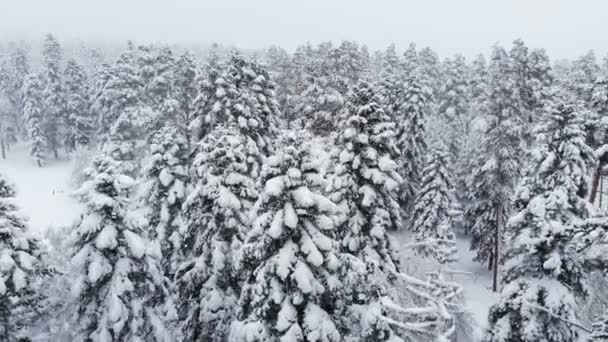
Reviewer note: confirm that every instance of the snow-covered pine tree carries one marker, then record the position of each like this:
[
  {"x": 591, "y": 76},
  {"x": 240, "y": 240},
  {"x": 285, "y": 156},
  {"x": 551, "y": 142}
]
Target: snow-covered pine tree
[
  {"x": 415, "y": 98},
  {"x": 294, "y": 286},
  {"x": 54, "y": 95},
  {"x": 600, "y": 328},
  {"x": 120, "y": 290},
  {"x": 544, "y": 275},
  {"x": 79, "y": 121},
  {"x": 33, "y": 107},
  {"x": 364, "y": 186},
  {"x": 434, "y": 233},
  {"x": 20, "y": 270},
  {"x": 217, "y": 215},
  {"x": 163, "y": 193}
]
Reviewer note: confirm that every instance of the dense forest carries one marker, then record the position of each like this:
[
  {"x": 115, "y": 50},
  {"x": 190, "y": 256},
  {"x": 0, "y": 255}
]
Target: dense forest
[{"x": 256, "y": 195}]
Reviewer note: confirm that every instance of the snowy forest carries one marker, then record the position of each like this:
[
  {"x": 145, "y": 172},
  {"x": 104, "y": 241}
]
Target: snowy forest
[{"x": 322, "y": 194}]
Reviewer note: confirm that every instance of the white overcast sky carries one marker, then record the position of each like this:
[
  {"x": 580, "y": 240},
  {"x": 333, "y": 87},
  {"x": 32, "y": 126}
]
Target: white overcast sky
[{"x": 566, "y": 28}]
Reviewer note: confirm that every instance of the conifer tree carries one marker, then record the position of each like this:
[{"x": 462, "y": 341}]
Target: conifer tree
[
  {"x": 544, "y": 275},
  {"x": 33, "y": 108},
  {"x": 319, "y": 106},
  {"x": 293, "y": 289},
  {"x": 502, "y": 146},
  {"x": 163, "y": 193},
  {"x": 120, "y": 289},
  {"x": 434, "y": 234},
  {"x": 218, "y": 219},
  {"x": 254, "y": 110},
  {"x": 187, "y": 72},
  {"x": 54, "y": 94},
  {"x": 410, "y": 62},
  {"x": 20, "y": 271},
  {"x": 13, "y": 72},
  {"x": 8, "y": 125},
  {"x": 216, "y": 91},
  {"x": 453, "y": 103},
  {"x": 430, "y": 70},
  {"x": 79, "y": 121},
  {"x": 411, "y": 142},
  {"x": 364, "y": 186},
  {"x": 600, "y": 329}
]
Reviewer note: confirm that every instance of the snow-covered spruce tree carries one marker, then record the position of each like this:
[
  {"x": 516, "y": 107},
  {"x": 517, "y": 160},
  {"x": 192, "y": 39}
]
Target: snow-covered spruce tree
[
  {"x": 217, "y": 215},
  {"x": 79, "y": 121},
  {"x": 13, "y": 70},
  {"x": 163, "y": 193},
  {"x": 600, "y": 328},
  {"x": 54, "y": 95},
  {"x": 123, "y": 114},
  {"x": 502, "y": 146},
  {"x": 120, "y": 288},
  {"x": 391, "y": 78},
  {"x": 9, "y": 125},
  {"x": 481, "y": 200},
  {"x": 319, "y": 106},
  {"x": 434, "y": 235},
  {"x": 282, "y": 70},
  {"x": 364, "y": 186},
  {"x": 185, "y": 90},
  {"x": 430, "y": 70},
  {"x": 293, "y": 289},
  {"x": 543, "y": 276},
  {"x": 33, "y": 108},
  {"x": 582, "y": 75},
  {"x": 254, "y": 110},
  {"x": 212, "y": 105},
  {"x": 411, "y": 142},
  {"x": 453, "y": 103},
  {"x": 541, "y": 77},
  {"x": 20, "y": 270},
  {"x": 410, "y": 61}
]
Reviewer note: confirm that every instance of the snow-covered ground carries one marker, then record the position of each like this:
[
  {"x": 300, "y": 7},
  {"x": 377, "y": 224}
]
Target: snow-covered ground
[
  {"x": 44, "y": 194},
  {"x": 475, "y": 279}
]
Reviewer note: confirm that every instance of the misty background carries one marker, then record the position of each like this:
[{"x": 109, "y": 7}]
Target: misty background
[{"x": 566, "y": 29}]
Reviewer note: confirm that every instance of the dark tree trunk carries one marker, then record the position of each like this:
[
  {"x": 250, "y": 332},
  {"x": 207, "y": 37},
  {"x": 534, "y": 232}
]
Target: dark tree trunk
[
  {"x": 595, "y": 181},
  {"x": 3, "y": 147},
  {"x": 496, "y": 254}
]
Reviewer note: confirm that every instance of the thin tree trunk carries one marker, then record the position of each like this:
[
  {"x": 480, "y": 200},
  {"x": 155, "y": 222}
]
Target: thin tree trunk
[
  {"x": 601, "y": 191},
  {"x": 496, "y": 247},
  {"x": 3, "y": 147},
  {"x": 594, "y": 183},
  {"x": 490, "y": 263}
]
